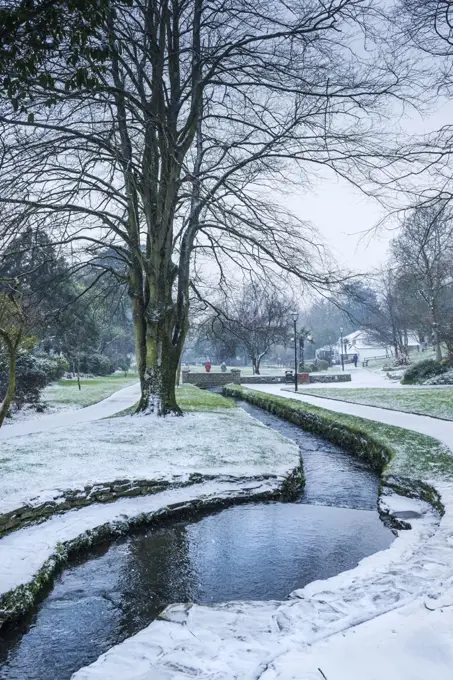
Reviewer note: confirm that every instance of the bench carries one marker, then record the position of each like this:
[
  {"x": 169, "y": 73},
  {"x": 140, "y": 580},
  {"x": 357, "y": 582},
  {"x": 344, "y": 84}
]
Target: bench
[{"x": 365, "y": 361}]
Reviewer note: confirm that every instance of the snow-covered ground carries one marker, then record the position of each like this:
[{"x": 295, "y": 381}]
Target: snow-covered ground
[
  {"x": 40, "y": 467},
  {"x": 23, "y": 552},
  {"x": 364, "y": 378},
  {"x": 268, "y": 639},
  {"x": 391, "y": 618},
  {"x": 119, "y": 401},
  {"x": 31, "y": 414}
]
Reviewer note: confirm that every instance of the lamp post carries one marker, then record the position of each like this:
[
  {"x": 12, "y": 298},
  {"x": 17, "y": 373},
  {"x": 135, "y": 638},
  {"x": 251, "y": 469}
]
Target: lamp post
[
  {"x": 341, "y": 349},
  {"x": 295, "y": 316}
]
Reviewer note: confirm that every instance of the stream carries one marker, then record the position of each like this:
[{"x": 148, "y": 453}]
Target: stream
[{"x": 258, "y": 551}]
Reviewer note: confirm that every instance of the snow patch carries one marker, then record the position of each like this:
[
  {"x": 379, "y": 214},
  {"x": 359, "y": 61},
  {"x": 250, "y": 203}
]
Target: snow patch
[
  {"x": 23, "y": 552},
  {"x": 293, "y": 639},
  {"x": 229, "y": 443}
]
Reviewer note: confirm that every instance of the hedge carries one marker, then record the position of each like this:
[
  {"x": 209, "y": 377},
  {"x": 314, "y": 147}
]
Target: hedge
[
  {"x": 354, "y": 438},
  {"x": 30, "y": 379},
  {"x": 423, "y": 370}
]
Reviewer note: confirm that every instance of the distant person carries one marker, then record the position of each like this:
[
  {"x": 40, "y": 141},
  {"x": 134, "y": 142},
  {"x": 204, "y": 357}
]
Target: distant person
[
  {"x": 355, "y": 359},
  {"x": 207, "y": 367},
  {"x": 223, "y": 367}
]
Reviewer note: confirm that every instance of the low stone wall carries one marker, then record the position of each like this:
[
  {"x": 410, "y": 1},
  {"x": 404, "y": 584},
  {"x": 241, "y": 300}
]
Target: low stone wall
[
  {"x": 104, "y": 492},
  {"x": 108, "y": 492},
  {"x": 261, "y": 379},
  {"x": 211, "y": 379},
  {"x": 332, "y": 378},
  {"x": 234, "y": 376}
]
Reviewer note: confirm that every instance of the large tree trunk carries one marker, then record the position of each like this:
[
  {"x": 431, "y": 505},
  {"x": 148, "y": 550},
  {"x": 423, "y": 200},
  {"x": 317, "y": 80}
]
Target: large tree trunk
[
  {"x": 158, "y": 394},
  {"x": 138, "y": 316},
  {"x": 160, "y": 329},
  {"x": 256, "y": 365},
  {"x": 11, "y": 349}
]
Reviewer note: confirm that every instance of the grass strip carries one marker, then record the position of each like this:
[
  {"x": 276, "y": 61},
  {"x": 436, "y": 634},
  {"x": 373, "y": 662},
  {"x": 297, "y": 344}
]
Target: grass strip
[
  {"x": 437, "y": 403},
  {"x": 391, "y": 450}
]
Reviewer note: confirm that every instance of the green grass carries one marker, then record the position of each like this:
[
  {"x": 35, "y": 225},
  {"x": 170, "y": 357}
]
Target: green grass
[
  {"x": 93, "y": 389},
  {"x": 191, "y": 398},
  {"x": 413, "y": 455},
  {"x": 427, "y": 402}
]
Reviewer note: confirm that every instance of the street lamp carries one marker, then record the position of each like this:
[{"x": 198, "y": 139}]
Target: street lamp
[
  {"x": 295, "y": 317},
  {"x": 341, "y": 349}
]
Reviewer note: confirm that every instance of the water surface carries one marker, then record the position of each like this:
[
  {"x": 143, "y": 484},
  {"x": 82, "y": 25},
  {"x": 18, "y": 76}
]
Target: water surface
[{"x": 253, "y": 551}]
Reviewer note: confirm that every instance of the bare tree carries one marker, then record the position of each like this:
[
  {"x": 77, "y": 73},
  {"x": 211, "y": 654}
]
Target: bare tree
[
  {"x": 423, "y": 252},
  {"x": 169, "y": 148},
  {"x": 424, "y": 171},
  {"x": 387, "y": 322},
  {"x": 257, "y": 318}
]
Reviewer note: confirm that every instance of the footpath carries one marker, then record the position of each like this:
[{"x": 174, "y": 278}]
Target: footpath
[{"x": 118, "y": 401}]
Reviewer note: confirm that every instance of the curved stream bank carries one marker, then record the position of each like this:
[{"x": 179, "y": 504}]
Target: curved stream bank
[{"x": 253, "y": 551}]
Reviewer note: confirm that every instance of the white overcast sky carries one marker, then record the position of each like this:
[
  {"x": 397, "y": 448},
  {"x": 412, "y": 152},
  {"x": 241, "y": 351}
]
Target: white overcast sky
[{"x": 343, "y": 214}]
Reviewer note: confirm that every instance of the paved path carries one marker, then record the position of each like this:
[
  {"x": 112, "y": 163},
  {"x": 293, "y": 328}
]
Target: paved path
[
  {"x": 118, "y": 401},
  {"x": 433, "y": 427},
  {"x": 367, "y": 378},
  {"x": 360, "y": 377}
]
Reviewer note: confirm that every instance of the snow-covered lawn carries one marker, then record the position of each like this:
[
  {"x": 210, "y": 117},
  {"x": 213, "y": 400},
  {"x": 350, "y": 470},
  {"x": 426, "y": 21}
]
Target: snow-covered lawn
[
  {"x": 42, "y": 465},
  {"x": 66, "y": 392},
  {"x": 430, "y": 402},
  {"x": 388, "y": 619}
]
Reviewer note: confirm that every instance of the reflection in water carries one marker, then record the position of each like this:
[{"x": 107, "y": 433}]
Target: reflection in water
[
  {"x": 333, "y": 477},
  {"x": 254, "y": 551}
]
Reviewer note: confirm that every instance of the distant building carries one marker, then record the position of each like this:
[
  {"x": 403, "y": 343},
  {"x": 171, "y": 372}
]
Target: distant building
[{"x": 360, "y": 343}]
